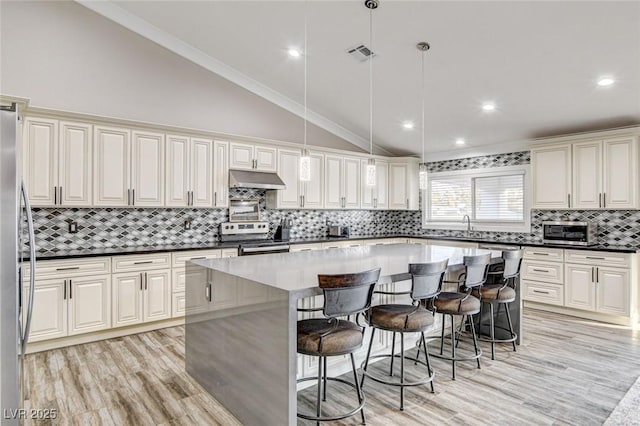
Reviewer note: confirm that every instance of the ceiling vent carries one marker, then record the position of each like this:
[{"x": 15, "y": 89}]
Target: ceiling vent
[{"x": 361, "y": 53}]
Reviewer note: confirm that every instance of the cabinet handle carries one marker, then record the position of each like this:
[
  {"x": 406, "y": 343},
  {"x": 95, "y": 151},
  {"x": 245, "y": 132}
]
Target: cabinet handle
[
  {"x": 143, "y": 262},
  {"x": 540, "y": 270},
  {"x": 540, "y": 291},
  {"x": 600, "y": 199},
  {"x": 593, "y": 270},
  {"x": 301, "y": 202},
  {"x": 569, "y": 200},
  {"x": 407, "y": 204},
  {"x": 207, "y": 292},
  {"x": 304, "y": 200},
  {"x": 188, "y": 198},
  {"x": 64, "y": 295},
  {"x": 597, "y": 275},
  {"x": 70, "y": 290},
  {"x": 215, "y": 198},
  {"x": 604, "y": 200},
  {"x": 141, "y": 278},
  {"x": 60, "y": 198},
  {"x": 55, "y": 195},
  {"x": 196, "y": 258},
  {"x": 71, "y": 268},
  {"x": 133, "y": 197},
  {"x": 146, "y": 281},
  {"x": 540, "y": 254},
  {"x": 595, "y": 258},
  {"x": 375, "y": 203},
  {"x": 128, "y": 197}
]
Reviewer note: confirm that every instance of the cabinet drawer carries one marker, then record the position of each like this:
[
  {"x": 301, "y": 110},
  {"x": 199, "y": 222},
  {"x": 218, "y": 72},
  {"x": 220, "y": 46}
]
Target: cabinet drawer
[
  {"x": 180, "y": 258},
  {"x": 305, "y": 247},
  {"x": 142, "y": 262},
  {"x": 552, "y": 294},
  {"x": 229, "y": 252},
  {"x": 70, "y": 267},
  {"x": 379, "y": 242},
  {"x": 543, "y": 253},
  {"x": 547, "y": 272},
  {"x": 178, "y": 305},
  {"x": 598, "y": 258},
  {"x": 342, "y": 244}
]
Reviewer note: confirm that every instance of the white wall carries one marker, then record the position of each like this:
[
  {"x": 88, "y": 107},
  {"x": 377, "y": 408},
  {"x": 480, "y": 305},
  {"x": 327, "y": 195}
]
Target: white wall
[{"x": 63, "y": 56}]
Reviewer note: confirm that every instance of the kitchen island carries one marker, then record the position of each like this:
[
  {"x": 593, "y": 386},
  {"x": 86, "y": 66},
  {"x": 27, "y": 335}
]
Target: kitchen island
[{"x": 241, "y": 318}]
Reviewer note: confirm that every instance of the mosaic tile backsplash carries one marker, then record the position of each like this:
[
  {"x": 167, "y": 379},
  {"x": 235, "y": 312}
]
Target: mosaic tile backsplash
[{"x": 125, "y": 227}]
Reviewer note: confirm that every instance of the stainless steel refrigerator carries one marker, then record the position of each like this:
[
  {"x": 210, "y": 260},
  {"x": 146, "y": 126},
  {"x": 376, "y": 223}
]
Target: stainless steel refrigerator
[{"x": 16, "y": 225}]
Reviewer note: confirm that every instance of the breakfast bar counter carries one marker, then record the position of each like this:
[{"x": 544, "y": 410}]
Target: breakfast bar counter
[{"x": 241, "y": 318}]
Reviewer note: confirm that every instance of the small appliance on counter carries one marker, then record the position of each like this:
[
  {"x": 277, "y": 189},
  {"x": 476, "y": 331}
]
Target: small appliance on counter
[
  {"x": 339, "y": 231},
  {"x": 569, "y": 233},
  {"x": 284, "y": 230}
]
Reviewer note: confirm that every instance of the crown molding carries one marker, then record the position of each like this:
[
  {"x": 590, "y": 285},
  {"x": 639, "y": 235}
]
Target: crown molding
[{"x": 149, "y": 31}]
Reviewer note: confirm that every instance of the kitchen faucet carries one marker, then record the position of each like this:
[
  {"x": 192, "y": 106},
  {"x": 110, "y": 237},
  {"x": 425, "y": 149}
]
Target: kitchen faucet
[{"x": 468, "y": 220}]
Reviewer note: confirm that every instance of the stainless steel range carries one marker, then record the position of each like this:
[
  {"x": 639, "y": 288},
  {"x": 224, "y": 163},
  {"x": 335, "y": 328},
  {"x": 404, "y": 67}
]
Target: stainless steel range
[{"x": 253, "y": 238}]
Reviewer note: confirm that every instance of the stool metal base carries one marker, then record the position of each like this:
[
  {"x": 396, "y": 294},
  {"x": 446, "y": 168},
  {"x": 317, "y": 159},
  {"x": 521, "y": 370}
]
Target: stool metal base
[{"x": 492, "y": 328}]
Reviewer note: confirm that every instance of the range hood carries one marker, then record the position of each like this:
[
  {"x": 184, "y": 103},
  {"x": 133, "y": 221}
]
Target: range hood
[{"x": 251, "y": 179}]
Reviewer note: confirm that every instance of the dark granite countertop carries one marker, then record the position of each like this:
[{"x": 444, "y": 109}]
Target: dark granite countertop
[{"x": 114, "y": 251}]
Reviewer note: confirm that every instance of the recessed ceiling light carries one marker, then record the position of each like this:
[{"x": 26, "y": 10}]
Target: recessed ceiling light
[
  {"x": 407, "y": 125},
  {"x": 294, "y": 53},
  {"x": 460, "y": 141},
  {"x": 488, "y": 106},
  {"x": 606, "y": 81}
]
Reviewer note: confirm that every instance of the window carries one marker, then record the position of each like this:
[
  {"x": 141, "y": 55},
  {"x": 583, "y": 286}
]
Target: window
[{"x": 493, "y": 198}]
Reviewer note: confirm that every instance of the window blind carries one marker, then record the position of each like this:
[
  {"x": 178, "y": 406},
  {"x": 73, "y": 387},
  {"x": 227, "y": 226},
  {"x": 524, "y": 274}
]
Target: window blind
[
  {"x": 499, "y": 198},
  {"x": 450, "y": 198}
]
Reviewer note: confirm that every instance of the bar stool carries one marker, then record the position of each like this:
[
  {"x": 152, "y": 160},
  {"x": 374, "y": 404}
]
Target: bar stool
[
  {"x": 344, "y": 294},
  {"x": 426, "y": 284},
  {"x": 462, "y": 303},
  {"x": 501, "y": 294}
]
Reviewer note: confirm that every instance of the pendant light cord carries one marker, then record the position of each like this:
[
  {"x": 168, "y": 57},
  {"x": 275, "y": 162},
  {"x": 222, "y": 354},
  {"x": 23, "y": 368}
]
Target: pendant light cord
[
  {"x": 423, "y": 106},
  {"x": 371, "y": 82},
  {"x": 305, "y": 74}
]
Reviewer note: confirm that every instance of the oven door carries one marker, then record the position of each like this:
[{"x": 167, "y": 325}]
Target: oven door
[{"x": 250, "y": 251}]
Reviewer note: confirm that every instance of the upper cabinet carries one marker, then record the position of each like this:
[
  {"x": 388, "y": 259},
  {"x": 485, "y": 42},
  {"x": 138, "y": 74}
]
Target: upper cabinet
[
  {"x": 403, "y": 186},
  {"x": 189, "y": 171},
  {"x": 375, "y": 197},
  {"x": 58, "y": 162},
  {"x": 298, "y": 194},
  {"x": 591, "y": 174},
  {"x": 252, "y": 157},
  {"x": 342, "y": 182},
  {"x": 128, "y": 167},
  {"x": 220, "y": 174}
]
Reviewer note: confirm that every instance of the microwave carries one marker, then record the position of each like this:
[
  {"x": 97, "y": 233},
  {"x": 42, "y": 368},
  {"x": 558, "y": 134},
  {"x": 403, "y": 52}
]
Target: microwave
[
  {"x": 244, "y": 210},
  {"x": 569, "y": 233}
]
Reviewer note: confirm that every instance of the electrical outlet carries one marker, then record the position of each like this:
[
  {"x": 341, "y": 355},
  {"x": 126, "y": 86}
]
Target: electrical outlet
[
  {"x": 73, "y": 226},
  {"x": 187, "y": 224}
]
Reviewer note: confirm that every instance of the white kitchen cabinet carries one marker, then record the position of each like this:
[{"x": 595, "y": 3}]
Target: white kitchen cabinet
[
  {"x": 189, "y": 171},
  {"x": 313, "y": 190},
  {"x": 613, "y": 290},
  {"x": 220, "y": 174},
  {"x": 620, "y": 180},
  {"x": 551, "y": 171},
  {"x": 375, "y": 197},
  {"x": 252, "y": 157},
  {"x": 49, "y": 318},
  {"x": 141, "y": 296},
  {"x": 112, "y": 166},
  {"x": 587, "y": 175},
  {"x": 89, "y": 301},
  {"x": 289, "y": 172},
  {"x": 342, "y": 182},
  {"x": 305, "y": 247},
  {"x": 399, "y": 186},
  {"x": 580, "y": 287},
  {"x": 147, "y": 171},
  {"x": 58, "y": 162}
]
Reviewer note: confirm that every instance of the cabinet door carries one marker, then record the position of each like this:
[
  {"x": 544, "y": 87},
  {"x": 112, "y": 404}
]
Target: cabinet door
[
  {"x": 220, "y": 174},
  {"x": 351, "y": 183},
  {"x": 49, "y": 318},
  {"x": 580, "y": 287},
  {"x": 587, "y": 175},
  {"x": 112, "y": 166},
  {"x": 333, "y": 182},
  {"x": 147, "y": 170},
  {"x": 314, "y": 189},
  {"x": 126, "y": 300},
  {"x": 240, "y": 156},
  {"x": 289, "y": 172},
  {"x": 202, "y": 172},
  {"x": 89, "y": 304},
  {"x": 157, "y": 295},
  {"x": 551, "y": 170},
  {"x": 620, "y": 173},
  {"x": 382, "y": 185},
  {"x": 612, "y": 290},
  {"x": 177, "y": 170},
  {"x": 368, "y": 192},
  {"x": 398, "y": 194},
  {"x": 266, "y": 158},
  {"x": 75, "y": 170},
  {"x": 40, "y": 160}
]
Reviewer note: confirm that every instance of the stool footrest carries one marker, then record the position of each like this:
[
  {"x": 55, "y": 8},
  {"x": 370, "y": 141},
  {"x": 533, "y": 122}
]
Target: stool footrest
[
  {"x": 422, "y": 381},
  {"x": 435, "y": 352},
  {"x": 337, "y": 416}
]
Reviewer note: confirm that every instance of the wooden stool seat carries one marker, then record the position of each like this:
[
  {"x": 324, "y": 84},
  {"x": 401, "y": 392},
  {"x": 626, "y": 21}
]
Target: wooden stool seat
[
  {"x": 496, "y": 292},
  {"x": 400, "y": 318},
  {"x": 453, "y": 303},
  {"x": 322, "y": 337}
]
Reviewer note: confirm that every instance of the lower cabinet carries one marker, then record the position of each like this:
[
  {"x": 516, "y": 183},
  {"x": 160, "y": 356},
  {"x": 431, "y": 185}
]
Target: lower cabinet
[
  {"x": 65, "y": 307},
  {"x": 141, "y": 297},
  {"x": 598, "y": 288}
]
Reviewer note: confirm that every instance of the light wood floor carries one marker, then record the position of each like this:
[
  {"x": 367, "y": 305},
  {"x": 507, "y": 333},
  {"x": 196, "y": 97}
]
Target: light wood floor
[{"x": 568, "y": 371}]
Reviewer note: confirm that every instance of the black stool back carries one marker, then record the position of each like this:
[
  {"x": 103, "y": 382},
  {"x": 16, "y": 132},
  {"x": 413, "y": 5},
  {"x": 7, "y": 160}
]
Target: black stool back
[
  {"x": 512, "y": 262},
  {"x": 347, "y": 294},
  {"x": 476, "y": 270},
  {"x": 426, "y": 279}
]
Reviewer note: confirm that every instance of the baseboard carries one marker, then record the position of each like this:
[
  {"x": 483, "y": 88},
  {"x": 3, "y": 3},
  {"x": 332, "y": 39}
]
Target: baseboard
[{"x": 613, "y": 319}]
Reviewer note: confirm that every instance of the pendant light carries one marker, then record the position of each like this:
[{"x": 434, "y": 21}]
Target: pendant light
[
  {"x": 305, "y": 159},
  {"x": 371, "y": 165},
  {"x": 423, "y": 175}
]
